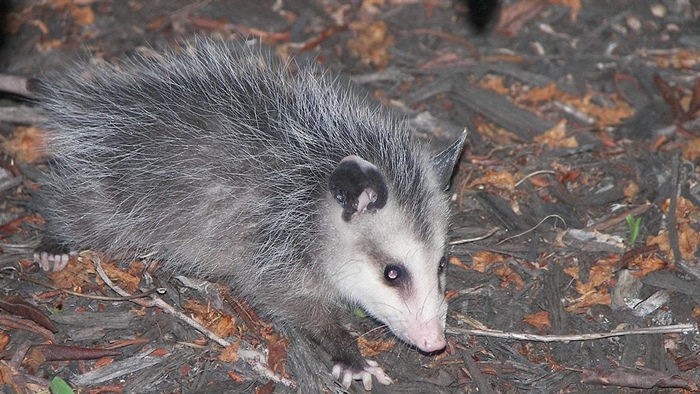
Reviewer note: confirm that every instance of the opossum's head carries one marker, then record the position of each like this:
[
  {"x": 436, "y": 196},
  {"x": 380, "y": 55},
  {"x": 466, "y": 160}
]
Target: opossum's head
[{"x": 390, "y": 258}]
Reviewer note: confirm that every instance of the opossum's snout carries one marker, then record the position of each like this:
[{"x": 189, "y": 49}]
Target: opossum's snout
[{"x": 428, "y": 337}]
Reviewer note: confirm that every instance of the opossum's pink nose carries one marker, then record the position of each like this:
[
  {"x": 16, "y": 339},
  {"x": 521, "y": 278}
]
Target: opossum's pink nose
[{"x": 428, "y": 337}]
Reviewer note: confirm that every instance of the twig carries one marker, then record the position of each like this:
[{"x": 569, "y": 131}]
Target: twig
[
  {"x": 156, "y": 301},
  {"x": 579, "y": 115},
  {"x": 479, "y": 238},
  {"x": 159, "y": 290},
  {"x": 253, "y": 358},
  {"x": 533, "y": 228},
  {"x": 530, "y": 175},
  {"x": 678, "y": 328},
  {"x": 636, "y": 211}
]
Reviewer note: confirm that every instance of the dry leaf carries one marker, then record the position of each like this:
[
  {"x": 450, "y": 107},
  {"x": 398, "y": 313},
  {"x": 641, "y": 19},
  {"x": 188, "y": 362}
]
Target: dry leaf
[
  {"x": 509, "y": 276},
  {"x": 482, "y": 260},
  {"x": 499, "y": 179},
  {"x": 230, "y": 353},
  {"x": 497, "y": 135},
  {"x": 605, "y": 116},
  {"x": 26, "y": 145},
  {"x": 631, "y": 191},
  {"x": 123, "y": 279},
  {"x": 4, "y": 339},
  {"x": 18, "y": 306},
  {"x": 691, "y": 151},
  {"x": 373, "y": 348},
  {"x": 76, "y": 274},
  {"x": 599, "y": 274},
  {"x": 572, "y": 271},
  {"x": 216, "y": 321},
  {"x": 370, "y": 43},
  {"x": 494, "y": 83},
  {"x": 277, "y": 351},
  {"x": 696, "y": 311},
  {"x": 159, "y": 352},
  {"x": 454, "y": 260},
  {"x": 688, "y": 241},
  {"x": 537, "y": 94},
  {"x": 680, "y": 59},
  {"x": 609, "y": 115},
  {"x": 83, "y": 16},
  {"x": 556, "y": 137},
  {"x": 7, "y": 378},
  {"x": 594, "y": 291},
  {"x": 236, "y": 377},
  {"x": 646, "y": 265},
  {"x": 539, "y": 320},
  {"x": 103, "y": 362},
  {"x": 687, "y": 217},
  {"x": 588, "y": 300}
]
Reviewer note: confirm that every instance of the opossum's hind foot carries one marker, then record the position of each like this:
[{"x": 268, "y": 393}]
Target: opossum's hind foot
[
  {"x": 51, "y": 256},
  {"x": 346, "y": 374}
]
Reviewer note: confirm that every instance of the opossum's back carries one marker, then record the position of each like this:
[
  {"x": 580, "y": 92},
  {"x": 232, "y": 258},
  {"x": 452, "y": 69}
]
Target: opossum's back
[
  {"x": 203, "y": 146},
  {"x": 163, "y": 152},
  {"x": 244, "y": 110}
]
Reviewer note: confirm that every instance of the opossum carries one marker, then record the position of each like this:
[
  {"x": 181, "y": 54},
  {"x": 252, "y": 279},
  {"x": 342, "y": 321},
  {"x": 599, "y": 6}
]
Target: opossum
[{"x": 286, "y": 183}]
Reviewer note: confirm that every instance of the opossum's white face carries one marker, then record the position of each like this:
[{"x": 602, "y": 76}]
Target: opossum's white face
[
  {"x": 381, "y": 260},
  {"x": 394, "y": 275}
]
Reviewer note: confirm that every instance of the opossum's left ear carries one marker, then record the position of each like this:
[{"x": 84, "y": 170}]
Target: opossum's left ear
[
  {"x": 444, "y": 162},
  {"x": 358, "y": 185}
]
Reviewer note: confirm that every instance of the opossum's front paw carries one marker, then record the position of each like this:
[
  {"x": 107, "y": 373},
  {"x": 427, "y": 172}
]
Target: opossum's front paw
[
  {"x": 347, "y": 374},
  {"x": 51, "y": 262}
]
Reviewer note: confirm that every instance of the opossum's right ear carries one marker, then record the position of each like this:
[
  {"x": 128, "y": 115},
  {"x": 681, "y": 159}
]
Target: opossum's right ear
[
  {"x": 358, "y": 185},
  {"x": 444, "y": 162}
]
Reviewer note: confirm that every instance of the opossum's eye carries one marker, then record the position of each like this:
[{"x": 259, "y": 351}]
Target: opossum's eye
[
  {"x": 443, "y": 264},
  {"x": 393, "y": 273}
]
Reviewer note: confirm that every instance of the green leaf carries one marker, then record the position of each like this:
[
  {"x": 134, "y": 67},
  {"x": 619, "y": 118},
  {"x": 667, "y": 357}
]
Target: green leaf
[
  {"x": 634, "y": 225},
  {"x": 59, "y": 386}
]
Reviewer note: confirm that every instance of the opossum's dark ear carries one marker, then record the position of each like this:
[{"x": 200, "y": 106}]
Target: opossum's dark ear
[
  {"x": 444, "y": 162},
  {"x": 358, "y": 185}
]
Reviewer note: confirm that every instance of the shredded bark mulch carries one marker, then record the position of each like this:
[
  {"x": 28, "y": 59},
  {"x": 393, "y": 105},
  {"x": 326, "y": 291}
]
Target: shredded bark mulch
[{"x": 575, "y": 262}]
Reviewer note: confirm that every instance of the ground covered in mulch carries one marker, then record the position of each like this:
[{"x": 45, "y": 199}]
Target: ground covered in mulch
[{"x": 577, "y": 203}]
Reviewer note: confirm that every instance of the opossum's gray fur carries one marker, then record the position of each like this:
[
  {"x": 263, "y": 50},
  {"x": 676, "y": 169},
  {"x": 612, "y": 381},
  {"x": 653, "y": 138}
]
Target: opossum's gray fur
[{"x": 218, "y": 162}]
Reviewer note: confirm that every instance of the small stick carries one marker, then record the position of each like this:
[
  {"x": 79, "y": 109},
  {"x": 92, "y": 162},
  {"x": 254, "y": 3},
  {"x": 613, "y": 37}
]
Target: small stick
[
  {"x": 533, "y": 228},
  {"x": 253, "y": 358},
  {"x": 678, "y": 328},
  {"x": 636, "y": 211},
  {"x": 156, "y": 301},
  {"x": 528, "y": 176},
  {"x": 479, "y": 238}
]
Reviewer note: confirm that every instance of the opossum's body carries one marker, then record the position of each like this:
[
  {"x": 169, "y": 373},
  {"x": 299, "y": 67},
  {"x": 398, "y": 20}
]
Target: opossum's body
[{"x": 226, "y": 165}]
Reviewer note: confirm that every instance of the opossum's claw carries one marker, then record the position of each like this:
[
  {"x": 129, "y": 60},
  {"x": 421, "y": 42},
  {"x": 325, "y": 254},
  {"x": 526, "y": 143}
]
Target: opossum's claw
[
  {"x": 51, "y": 262},
  {"x": 346, "y": 375}
]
